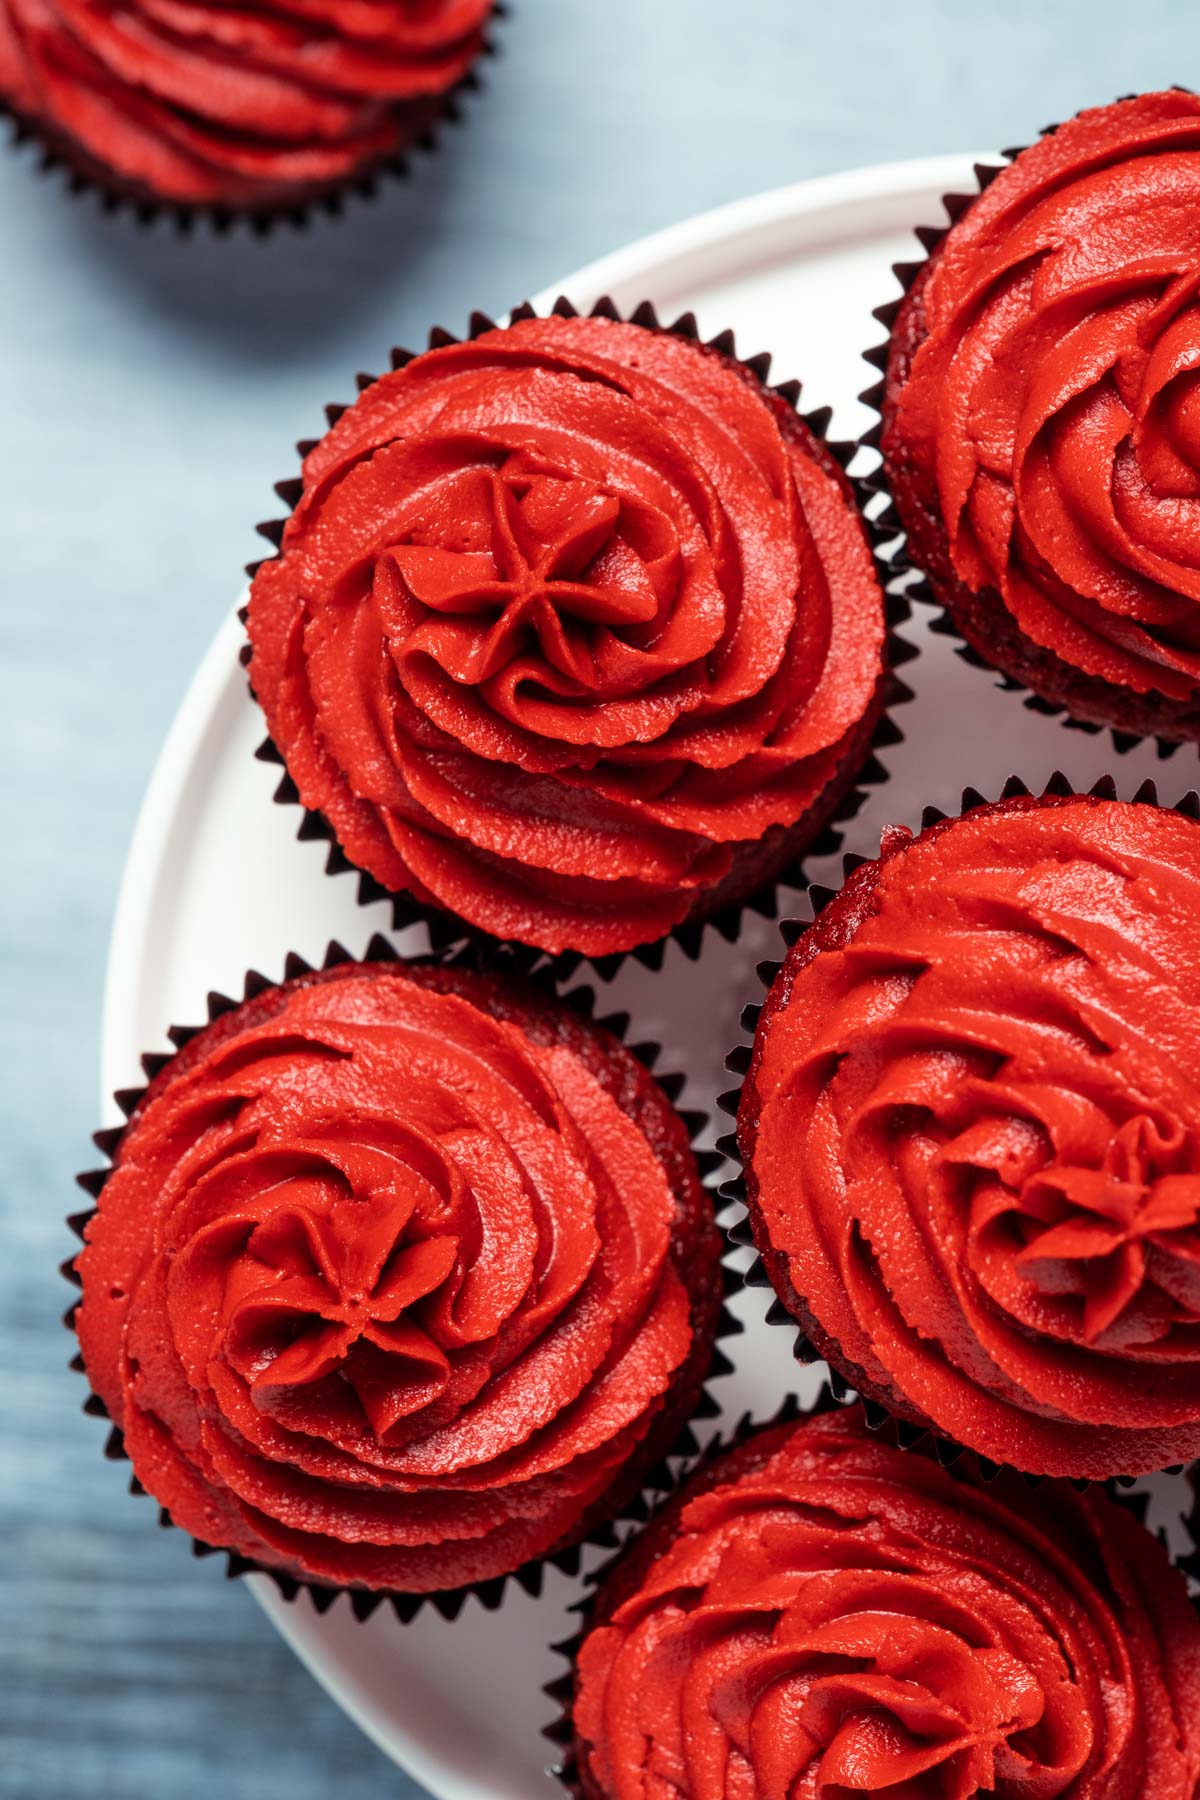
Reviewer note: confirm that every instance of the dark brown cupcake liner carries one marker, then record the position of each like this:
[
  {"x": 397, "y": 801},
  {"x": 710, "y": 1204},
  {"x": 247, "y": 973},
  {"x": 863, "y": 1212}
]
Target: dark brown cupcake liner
[
  {"x": 83, "y": 175},
  {"x": 560, "y": 1731},
  {"x": 892, "y": 534},
  {"x": 848, "y": 796},
  {"x": 904, "y": 1432},
  {"x": 655, "y": 1480}
]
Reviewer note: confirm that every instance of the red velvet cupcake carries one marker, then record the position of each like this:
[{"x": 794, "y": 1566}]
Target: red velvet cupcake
[
  {"x": 1040, "y": 417},
  {"x": 257, "y": 106},
  {"x": 819, "y": 1614},
  {"x": 403, "y": 1277},
  {"x": 574, "y": 633},
  {"x": 970, "y": 1128}
]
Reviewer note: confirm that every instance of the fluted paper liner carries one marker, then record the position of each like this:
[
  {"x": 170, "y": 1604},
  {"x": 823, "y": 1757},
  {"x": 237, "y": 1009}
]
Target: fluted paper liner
[
  {"x": 560, "y": 1731},
  {"x": 879, "y": 1415},
  {"x": 846, "y": 793},
  {"x": 892, "y": 536},
  {"x": 655, "y": 1480},
  {"x": 83, "y": 174}
]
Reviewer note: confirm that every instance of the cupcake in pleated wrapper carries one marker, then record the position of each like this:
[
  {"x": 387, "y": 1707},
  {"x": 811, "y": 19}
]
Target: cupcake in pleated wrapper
[
  {"x": 402, "y": 1281},
  {"x": 574, "y": 634},
  {"x": 1038, "y": 408},
  {"x": 248, "y": 110},
  {"x": 970, "y": 1131},
  {"x": 820, "y": 1613}
]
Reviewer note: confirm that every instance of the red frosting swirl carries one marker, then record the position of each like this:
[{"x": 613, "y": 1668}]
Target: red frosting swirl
[
  {"x": 234, "y": 102},
  {"x": 822, "y": 1617},
  {"x": 972, "y": 1132},
  {"x": 1042, "y": 423},
  {"x": 568, "y": 620},
  {"x": 399, "y": 1279}
]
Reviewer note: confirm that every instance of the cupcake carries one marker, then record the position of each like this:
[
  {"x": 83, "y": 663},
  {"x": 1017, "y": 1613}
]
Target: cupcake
[
  {"x": 403, "y": 1277},
  {"x": 574, "y": 633},
  {"x": 1040, "y": 431},
  {"x": 820, "y": 1614},
  {"x": 258, "y": 107},
  {"x": 970, "y": 1128}
]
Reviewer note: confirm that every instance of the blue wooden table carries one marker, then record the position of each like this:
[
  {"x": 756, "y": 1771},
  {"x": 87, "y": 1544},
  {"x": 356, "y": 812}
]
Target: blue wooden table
[{"x": 151, "y": 389}]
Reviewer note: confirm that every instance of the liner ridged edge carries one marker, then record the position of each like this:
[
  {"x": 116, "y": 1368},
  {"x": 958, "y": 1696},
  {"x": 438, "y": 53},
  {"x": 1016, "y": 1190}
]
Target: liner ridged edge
[
  {"x": 83, "y": 176},
  {"x": 445, "y": 927},
  {"x": 902, "y": 568},
  {"x": 659, "y": 1477},
  {"x": 903, "y": 1432},
  {"x": 560, "y": 1732}
]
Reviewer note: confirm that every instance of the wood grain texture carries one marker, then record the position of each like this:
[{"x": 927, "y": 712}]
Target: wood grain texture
[{"x": 151, "y": 390}]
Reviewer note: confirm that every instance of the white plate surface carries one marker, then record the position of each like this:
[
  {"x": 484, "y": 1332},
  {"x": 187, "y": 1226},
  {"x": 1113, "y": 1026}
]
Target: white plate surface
[{"x": 216, "y": 883}]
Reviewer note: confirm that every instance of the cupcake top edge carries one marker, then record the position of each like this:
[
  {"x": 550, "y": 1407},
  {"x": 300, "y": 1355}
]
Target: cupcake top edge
[
  {"x": 971, "y": 1131},
  {"x": 1038, "y": 435},
  {"x": 247, "y": 110},
  {"x": 862, "y": 1593},
  {"x": 574, "y": 632},
  {"x": 397, "y": 1270}
]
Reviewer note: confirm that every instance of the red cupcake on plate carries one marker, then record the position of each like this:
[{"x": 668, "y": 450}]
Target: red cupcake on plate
[
  {"x": 403, "y": 1278},
  {"x": 819, "y": 1614},
  {"x": 970, "y": 1128},
  {"x": 251, "y": 107},
  {"x": 1040, "y": 417},
  {"x": 574, "y": 633}
]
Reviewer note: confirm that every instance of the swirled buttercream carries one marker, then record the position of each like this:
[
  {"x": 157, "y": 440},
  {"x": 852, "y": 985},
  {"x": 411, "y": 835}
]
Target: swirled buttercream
[
  {"x": 972, "y": 1132},
  {"x": 398, "y": 1279},
  {"x": 1041, "y": 418},
  {"x": 822, "y": 1617},
  {"x": 247, "y": 104},
  {"x": 572, "y": 626}
]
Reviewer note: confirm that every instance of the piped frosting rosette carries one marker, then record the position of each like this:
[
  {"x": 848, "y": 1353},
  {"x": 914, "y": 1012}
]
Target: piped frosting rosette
[
  {"x": 821, "y": 1614},
  {"x": 970, "y": 1127},
  {"x": 256, "y": 106},
  {"x": 1039, "y": 416},
  {"x": 402, "y": 1279},
  {"x": 574, "y": 632}
]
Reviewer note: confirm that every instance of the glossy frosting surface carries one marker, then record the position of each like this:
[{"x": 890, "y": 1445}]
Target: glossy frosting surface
[
  {"x": 973, "y": 1132},
  {"x": 209, "y": 102},
  {"x": 1050, "y": 416},
  {"x": 828, "y": 1617},
  {"x": 564, "y": 616},
  {"x": 386, "y": 1289}
]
